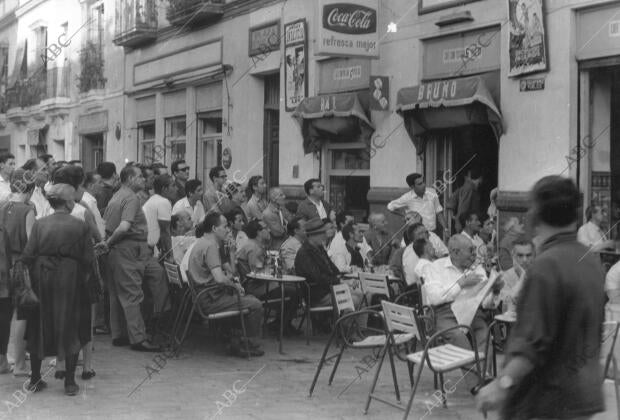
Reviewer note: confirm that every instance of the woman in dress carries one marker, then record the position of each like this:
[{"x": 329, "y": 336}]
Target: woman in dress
[
  {"x": 17, "y": 216},
  {"x": 59, "y": 254}
]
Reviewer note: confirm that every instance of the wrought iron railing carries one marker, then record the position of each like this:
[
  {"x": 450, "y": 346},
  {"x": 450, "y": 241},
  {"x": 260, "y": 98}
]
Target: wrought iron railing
[{"x": 91, "y": 74}]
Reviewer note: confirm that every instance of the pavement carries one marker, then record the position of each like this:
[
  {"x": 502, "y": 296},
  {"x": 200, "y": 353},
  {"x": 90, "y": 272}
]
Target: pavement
[{"x": 205, "y": 384}]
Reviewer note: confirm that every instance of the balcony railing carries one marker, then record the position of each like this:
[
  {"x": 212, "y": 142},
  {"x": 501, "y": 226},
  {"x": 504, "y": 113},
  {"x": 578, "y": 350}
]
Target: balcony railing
[
  {"x": 136, "y": 22},
  {"x": 194, "y": 12},
  {"x": 53, "y": 83},
  {"x": 91, "y": 74}
]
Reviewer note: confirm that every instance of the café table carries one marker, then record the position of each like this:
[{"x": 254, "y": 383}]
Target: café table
[{"x": 284, "y": 279}]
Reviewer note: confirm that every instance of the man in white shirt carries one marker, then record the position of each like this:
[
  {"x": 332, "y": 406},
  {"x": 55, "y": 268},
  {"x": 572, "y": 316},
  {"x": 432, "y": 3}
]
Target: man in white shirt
[
  {"x": 192, "y": 201},
  {"x": 348, "y": 255},
  {"x": 337, "y": 244},
  {"x": 522, "y": 258},
  {"x": 182, "y": 235},
  {"x": 471, "y": 226},
  {"x": 90, "y": 201},
  {"x": 7, "y": 165},
  {"x": 591, "y": 234},
  {"x": 410, "y": 258},
  {"x": 443, "y": 283},
  {"x": 158, "y": 212},
  {"x": 422, "y": 200}
]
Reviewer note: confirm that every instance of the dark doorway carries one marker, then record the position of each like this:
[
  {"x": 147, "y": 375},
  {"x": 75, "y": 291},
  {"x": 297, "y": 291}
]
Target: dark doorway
[
  {"x": 92, "y": 151},
  {"x": 271, "y": 136}
]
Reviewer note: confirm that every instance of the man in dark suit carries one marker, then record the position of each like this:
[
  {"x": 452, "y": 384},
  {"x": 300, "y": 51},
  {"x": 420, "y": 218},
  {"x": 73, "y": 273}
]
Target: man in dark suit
[{"x": 314, "y": 206}]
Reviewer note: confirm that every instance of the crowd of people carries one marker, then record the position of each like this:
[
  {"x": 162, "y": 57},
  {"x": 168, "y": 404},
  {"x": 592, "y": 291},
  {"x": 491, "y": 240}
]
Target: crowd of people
[{"x": 77, "y": 231}]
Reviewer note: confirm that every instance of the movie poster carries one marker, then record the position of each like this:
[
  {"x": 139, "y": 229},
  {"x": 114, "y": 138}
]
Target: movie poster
[
  {"x": 527, "y": 48},
  {"x": 295, "y": 69}
]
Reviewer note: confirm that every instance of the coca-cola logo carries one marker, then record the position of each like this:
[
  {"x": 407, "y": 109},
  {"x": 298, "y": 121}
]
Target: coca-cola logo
[{"x": 348, "y": 18}]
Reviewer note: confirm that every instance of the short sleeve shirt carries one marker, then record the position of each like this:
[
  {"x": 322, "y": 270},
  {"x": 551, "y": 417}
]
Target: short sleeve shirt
[
  {"x": 155, "y": 209},
  {"x": 203, "y": 258},
  {"x": 125, "y": 206},
  {"x": 252, "y": 253}
]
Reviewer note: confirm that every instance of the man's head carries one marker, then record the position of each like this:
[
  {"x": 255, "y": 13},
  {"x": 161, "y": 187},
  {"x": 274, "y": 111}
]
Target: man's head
[
  {"x": 514, "y": 225},
  {"x": 475, "y": 174},
  {"x": 377, "y": 222},
  {"x": 352, "y": 233},
  {"x": 462, "y": 251},
  {"x": 164, "y": 186},
  {"x": 71, "y": 175},
  {"x": 159, "y": 168},
  {"x": 416, "y": 183},
  {"x": 256, "y": 185},
  {"x": 344, "y": 218},
  {"x": 296, "y": 228},
  {"x": 180, "y": 223},
  {"x": 412, "y": 217},
  {"x": 193, "y": 190},
  {"x": 555, "y": 200},
  {"x": 416, "y": 231},
  {"x": 180, "y": 170},
  {"x": 522, "y": 253},
  {"x": 596, "y": 214},
  {"x": 258, "y": 230},
  {"x": 218, "y": 176},
  {"x": 277, "y": 197},
  {"x": 7, "y": 165},
  {"x": 213, "y": 223},
  {"x": 424, "y": 249},
  {"x": 235, "y": 193},
  {"x": 75, "y": 163},
  {"x": 107, "y": 170},
  {"x": 314, "y": 188},
  {"x": 132, "y": 178},
  {"x": 92, "y": 182},
  {"x": 149, "y": 176},
  {"x": 236, "y": 220},
  {"x": 49, "y": 161},
  {"x": 316, "y": 231},
  {"x": 470, "y": 222}
]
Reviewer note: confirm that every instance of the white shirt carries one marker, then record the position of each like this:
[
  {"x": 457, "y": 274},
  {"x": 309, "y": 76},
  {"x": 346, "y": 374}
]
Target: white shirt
[
  {"x": 428, "y": 206},
  {"x": 5, "y": 190},
  {"x": 155, "y": 209},
  {"x": 320, "y": 208},
  {"x": 180, "y": 245},
  {"x": 185, "y": 262},
  {"x": 410, "y": 261},
  {"x": 91, "y": 202},
  {"x": 338, "y": 244},
  {"x": 41, "y": 205},
  {"x": 241, "y": 239},
  {"x": 441, "y": 250},
  {"x": 197, "y": 212},
  {"x": 79, "y": 212},
  {"x": 589, "y": 234},
  {"x": 481, "y": 248},
  {"x": 440, "y": 282}
]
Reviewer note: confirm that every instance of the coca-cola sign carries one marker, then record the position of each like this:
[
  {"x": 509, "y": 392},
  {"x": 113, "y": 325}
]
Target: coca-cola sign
[{"x": 348, "y": 18}]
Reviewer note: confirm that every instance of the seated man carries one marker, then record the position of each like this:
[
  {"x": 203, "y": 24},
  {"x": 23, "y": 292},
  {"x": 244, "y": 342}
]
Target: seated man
[
  {"x": 426, "y": 255},
  {"x": 380, "y": 239},
  {"x": 205, "y": 269},
  {"x": 192, "y": 202},
  {"x": 251, "y": 258},
  {"x": 412, "y": 217},
  {"x": 590, "y": 233},
  {"x": 182, "y": 235},
  {"x": 471, "y": 227},
  {"x": 443, "y": 283},
  {"x": 288, "y": 250},
  {"x": 347, "y": 257},
  {"x": 522, "y": 258},
  {"x": 415, "y": 232}
]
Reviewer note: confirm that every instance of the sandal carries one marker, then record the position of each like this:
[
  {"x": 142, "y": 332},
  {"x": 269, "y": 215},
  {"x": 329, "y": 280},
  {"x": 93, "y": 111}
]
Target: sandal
[{"x": 88, "y": 374}]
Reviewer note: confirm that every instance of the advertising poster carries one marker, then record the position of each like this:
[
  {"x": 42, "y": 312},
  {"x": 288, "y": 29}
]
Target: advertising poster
[
  {"x": 527, "y": 49},
  {"x": 295, "y": 48}
]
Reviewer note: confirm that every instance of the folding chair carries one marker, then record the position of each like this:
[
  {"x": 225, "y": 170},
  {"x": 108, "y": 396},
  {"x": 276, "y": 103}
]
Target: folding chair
[
  {"x": 309, "y": 310},
  {"x": 181, "y": 295},
  {"x": 440, "y": 359},
  {"x": 197, "y": 294},
  {"x": 608, "y": 344},
  {"x": 344, "y": 328},
  {"x": 375, "y": 284}
]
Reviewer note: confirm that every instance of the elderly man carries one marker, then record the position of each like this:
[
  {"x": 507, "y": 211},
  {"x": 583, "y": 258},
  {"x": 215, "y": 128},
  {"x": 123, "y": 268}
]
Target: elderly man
[
  {"x": 290, "y": 247},
  {"x": 314, "y": 206},
  {"x": 423, "y": 201},
  {"x": 443, "y": 283},
  {"x": 7, "y": 165},
  {"x": 131, "y": 263},
  {"x": 591, "y": 234},
  {"x": 379, "y": 239},
  {"x": 552, "y": 366},
  {"x": 274, "y": 217}
]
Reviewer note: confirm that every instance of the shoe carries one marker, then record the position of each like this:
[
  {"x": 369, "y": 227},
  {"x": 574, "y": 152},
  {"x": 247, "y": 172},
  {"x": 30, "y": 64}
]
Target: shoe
[
  {"x": 88, "y": 374},
  {"x": 37, "y": 386},
  {"x": 474, "y": 391},
  {"x": 59, "y": 374},
  {"x": 146, "y": 347},
  {"x": 120, "y": 342},
  {"x": 72, "y": 390}
]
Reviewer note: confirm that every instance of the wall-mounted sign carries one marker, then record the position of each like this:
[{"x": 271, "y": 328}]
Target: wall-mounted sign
[
  {"x": 343, "y": 74},
  {"x": 526, "y": 85},
  {"x": 295, "y": 49},
  {"x": 379, "y": 93},
  {"x": 226, "y": 158},
  {"x": 348, "y": 29},
  {"x": 264, "y": 38},
  {"x": 427, "y": 6},
  {"x": 598, "y": 32},
  {"x": 527, "y": 47}
]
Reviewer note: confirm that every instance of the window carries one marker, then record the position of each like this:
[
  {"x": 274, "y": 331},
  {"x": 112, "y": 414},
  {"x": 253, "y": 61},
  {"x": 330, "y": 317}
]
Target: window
[
  {"x": 175, "y": 137},
  {"x": 40, "y": 52},
  {"x": 95, "y": 27},
  {"x": 210, "y": 141},
  {"x": 146, "y": 140}
]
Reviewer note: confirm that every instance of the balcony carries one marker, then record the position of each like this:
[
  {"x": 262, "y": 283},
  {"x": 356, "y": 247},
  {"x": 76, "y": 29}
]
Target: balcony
[
  {"x": 194, "y": 12},
  {"x": 53, "y": 83},
  {"x": 136, "y": 22},
  {"x": 91, "y": 62}
]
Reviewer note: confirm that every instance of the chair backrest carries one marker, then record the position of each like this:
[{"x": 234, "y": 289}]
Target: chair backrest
[
  {"x": 400, "y": 318},
  {"x": 172, "y": 271},
  {"x": 343, "y": 298},
  {"x": 608, "y": 343},
  {"x": 375, "y": 284}
]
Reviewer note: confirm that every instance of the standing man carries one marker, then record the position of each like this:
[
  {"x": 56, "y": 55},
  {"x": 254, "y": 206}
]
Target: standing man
[
  {"x": 466, "y": 199},
  {"x": 423, "y": 201},
  {"x": 274, "y": 218},
  {"x": 314, "y": 206},
  {"x": 379, "y": 239},
  {"x": 158, "y": 212},
  {"x": 7, "y": 165},
  {"x": 131, "y": 262},
  {"x": 109, "y": 183},
  {"x": 552, "y": 366},
  {"x": 180, "y": 171},
  {"x": 591, "y": 234},
  {"x": 215, "y": 197}
]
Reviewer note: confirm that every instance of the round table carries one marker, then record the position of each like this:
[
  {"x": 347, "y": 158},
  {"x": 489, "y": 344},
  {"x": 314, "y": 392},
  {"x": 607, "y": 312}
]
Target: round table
[{"x": 286, "y": 278}]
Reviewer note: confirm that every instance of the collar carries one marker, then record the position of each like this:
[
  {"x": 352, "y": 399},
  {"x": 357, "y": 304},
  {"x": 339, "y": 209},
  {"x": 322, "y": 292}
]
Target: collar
[
  {"x": 447, "y": 263},
  {"x": 557, "y": 239},
  {"x": 317, "y": 204},
  {"x": 414, "y": 195}
]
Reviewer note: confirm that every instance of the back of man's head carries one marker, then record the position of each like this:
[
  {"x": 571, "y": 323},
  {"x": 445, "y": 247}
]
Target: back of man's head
[
  {"x": 191, "y": 186},
  {"x": 128, "y": 172},
  {"x": 555, "y": 201},
  {"x": 72, "y": 175},
  {"x": 160, "y": 182},
  {"x": 106, "y": 170}
]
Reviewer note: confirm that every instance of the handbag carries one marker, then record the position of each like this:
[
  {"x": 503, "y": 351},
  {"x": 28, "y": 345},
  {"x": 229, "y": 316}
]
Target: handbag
[{"x": 25, "y": 298}]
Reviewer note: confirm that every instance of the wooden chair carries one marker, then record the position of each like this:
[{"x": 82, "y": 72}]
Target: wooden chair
[
  {"x": 195, "y": 297},
  {"x": 608, "y": 360},
  {"x": 180, "y": 299},
  {"x": 440, "y": 359},
  {"x": 347, "y": 326}
]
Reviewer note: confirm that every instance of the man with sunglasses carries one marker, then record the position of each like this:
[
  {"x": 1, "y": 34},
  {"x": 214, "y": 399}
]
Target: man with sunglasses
[
  {"x": 215, "y": 196},
  {"x": 180, "y": 170}
]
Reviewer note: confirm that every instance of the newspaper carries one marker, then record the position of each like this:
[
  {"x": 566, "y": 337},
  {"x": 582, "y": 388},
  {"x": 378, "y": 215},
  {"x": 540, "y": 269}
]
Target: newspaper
[{"x": 469, "y": 299}]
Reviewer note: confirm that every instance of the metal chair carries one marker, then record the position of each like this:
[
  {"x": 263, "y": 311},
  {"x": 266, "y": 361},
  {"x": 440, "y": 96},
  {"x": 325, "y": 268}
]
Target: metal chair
[
  {"x": 347, "y": 326},
  {"x": 180, "y": 298},
  {"x": 309, "y": 310},
  {"x": 197, "y": 294},
  {"x": 608, "y": 344},
  {"x": 440, "y": 359},
  {"x": 375, "y": 284}
]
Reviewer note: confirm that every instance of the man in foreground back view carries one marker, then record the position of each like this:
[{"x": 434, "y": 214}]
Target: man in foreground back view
[{"x": 552, "y": 366}]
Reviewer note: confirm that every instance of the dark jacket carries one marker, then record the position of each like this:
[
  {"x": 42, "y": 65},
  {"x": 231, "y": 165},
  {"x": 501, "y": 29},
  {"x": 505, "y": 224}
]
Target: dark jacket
[
  {"x": 319, "y": 271},
  {"x": 307, "y": 210},
  {"x": 559, "y": 319}
]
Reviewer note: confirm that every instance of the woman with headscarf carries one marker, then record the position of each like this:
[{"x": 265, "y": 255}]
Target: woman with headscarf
[{"x": 59, "y": 254}]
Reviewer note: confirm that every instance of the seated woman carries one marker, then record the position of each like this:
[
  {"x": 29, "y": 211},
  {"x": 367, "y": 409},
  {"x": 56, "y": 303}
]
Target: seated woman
[{"x": 251, "y": 258}]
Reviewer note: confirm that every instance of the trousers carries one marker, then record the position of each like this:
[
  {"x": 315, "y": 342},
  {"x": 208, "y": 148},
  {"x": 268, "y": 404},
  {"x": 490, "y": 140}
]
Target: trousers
[{"x": 6, "y": 314}]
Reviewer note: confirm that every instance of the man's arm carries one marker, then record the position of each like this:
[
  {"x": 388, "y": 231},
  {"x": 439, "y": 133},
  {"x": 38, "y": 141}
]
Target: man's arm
[
  {"x": 118, "y": 233},
  {"x": 165, "y": 240},
  {"x": 397, "y": 204},
  {"x": 272, "y": 220}
]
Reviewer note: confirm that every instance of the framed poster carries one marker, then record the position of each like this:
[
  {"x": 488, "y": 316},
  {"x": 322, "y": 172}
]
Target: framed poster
[
  {"x": 428, "y": 6},
  {"x": 296, "y": 64},
  {"x": 527, "y": 42}
]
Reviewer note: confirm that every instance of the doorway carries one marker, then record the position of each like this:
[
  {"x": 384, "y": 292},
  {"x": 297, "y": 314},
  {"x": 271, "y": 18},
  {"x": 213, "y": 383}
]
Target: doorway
[
  {"x": 271, "y": 135},
  {"x": 92, "y": 151}
]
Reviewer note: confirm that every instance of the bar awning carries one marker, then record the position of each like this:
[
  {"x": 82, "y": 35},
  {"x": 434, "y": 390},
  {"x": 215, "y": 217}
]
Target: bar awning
[
  {"x": 447, "y": 104},
  {"x": 338, "y": 117}
]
